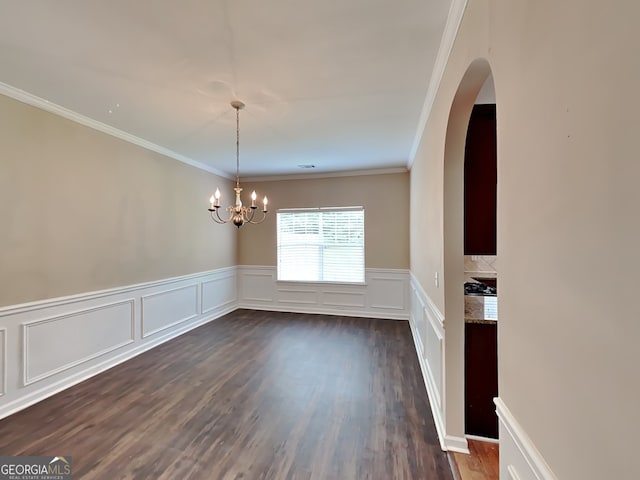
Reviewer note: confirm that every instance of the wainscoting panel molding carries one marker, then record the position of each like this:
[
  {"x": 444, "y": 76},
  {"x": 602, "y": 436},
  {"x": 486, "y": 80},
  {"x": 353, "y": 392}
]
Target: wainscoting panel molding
[
  {"x": 388, "y": 293},
  {"x": 256, "y": 285},
  {"x": 519, "y": 457},
  {"x": 3, "y": 361},
  {"x": 50, "y": 345},
  {"x": 344, "y": 298},
  {"x": 219, "y": 292},
  {"x": 427, "y": 328},
  {"x": 420, "y": 323},
  {"x": 383, "y": 295},
  {"x": 168, "y": 308},
  {"x": 297, "y": 296}
]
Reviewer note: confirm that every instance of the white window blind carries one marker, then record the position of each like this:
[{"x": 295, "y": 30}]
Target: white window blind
[{"x": 321, "y": 244}]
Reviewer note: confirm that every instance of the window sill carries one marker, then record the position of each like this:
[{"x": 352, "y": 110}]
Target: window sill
[{"x": 318, "y": 282}]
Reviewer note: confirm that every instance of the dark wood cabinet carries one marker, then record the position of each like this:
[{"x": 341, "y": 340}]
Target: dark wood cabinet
[
  {"x": 481, "y": 379},
  {"x": 480, "y": 178}
]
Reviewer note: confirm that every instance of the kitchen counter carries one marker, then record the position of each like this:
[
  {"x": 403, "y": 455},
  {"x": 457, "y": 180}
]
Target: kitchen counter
[{"x": 480, "y": 309}]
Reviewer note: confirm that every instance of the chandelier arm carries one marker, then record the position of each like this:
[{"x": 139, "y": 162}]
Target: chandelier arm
[
  {"x": 249, "y": 214},
  {"x": 220, "y": 219},
  {"x": 213, "y": 217},
  {"x": 256, "y": 222}
]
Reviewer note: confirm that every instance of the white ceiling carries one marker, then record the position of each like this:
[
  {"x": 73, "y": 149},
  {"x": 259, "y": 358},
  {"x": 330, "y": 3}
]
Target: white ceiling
[{"x": 339, "y": 84}]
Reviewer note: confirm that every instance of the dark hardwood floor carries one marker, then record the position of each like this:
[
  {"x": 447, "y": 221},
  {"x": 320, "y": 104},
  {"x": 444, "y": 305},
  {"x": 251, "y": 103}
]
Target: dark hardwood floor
[
  {"x": 482, "y": 462},
  {"x": 252, "y": 395}
]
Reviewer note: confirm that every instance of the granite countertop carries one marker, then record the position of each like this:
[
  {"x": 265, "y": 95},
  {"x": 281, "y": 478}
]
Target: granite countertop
[
  {"x": 485, "y": 321},
  {"x": 474, "y": 309}
]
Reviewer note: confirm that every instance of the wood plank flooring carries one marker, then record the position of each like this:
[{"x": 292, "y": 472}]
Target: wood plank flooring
[
  {"x": 252, "y": 395},
  {"x": 482, "y": 463}
]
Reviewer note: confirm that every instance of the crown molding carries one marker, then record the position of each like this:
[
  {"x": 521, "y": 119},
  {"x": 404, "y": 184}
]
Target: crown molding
[
  {"x": 41, "y": 103},
  {"x": 456, "y": 11},
  {"x": 307, "y": 176}
]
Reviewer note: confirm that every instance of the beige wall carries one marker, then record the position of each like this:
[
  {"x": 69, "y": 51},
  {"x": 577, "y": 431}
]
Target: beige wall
[
  {"x": 384, "y": 198},
  {"x": 82, "y": 211},
  {"x": 566, "y": 76}
]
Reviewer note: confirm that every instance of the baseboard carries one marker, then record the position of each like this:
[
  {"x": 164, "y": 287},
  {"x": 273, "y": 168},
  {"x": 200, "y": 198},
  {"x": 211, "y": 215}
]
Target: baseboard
[
  {"x": 482, "y": 439},
  {"x": 323, "y": 311},
  {"x": 51, "y": 345},
  {"x": 519, "y": 457},
  {"x": 456, "y": 444}
]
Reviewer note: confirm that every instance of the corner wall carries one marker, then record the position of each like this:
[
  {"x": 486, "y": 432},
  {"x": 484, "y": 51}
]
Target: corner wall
[{"x": 565, "y": 77}]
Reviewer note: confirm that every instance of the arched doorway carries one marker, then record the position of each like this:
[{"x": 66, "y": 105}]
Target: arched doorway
[{"x": 453, "y": 255}]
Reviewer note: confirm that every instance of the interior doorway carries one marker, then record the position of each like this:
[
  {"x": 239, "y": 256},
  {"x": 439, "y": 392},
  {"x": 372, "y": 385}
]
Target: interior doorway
[
  {"x": 480, "y": 269},
  {"x": 455, "y": 273}
]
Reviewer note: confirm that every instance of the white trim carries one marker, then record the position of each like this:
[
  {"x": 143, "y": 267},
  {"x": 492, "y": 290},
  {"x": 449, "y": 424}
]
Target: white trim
[
  {"x": 532, "y": 457},
  {"x": 45, "y": 392},
  {"x": 482, "y": 439},
  {"x": 307, "y": 176},
  {"x": 362, "y": 296},
  {"x": 456, "y": 444},
  {"x": 204, "y": 311},
  {"x": 58, "y": 301},
  {"x": 3, "y": 345},
  {"x": 435, "y": 401},
  {"x": 16, "y": 321},
  {"x": 434, "y": 320},
  {"x": 38, "y": 102},
  {"x": 513, "y": 475},
  {"x": 437, "y": 417},
  {"x": 26, "y": 326},
  {"x": 145, "y": 334},
  {"x": 260, "y": 290},
  {"x": 456, "y": 12}
]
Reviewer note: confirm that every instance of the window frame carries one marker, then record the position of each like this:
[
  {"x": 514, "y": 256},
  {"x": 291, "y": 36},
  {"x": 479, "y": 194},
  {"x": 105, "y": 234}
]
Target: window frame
[{"x": 322, "y": 210}]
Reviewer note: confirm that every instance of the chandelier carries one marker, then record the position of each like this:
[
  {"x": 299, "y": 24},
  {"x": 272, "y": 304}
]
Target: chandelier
[{"x": 238, "y": 213}]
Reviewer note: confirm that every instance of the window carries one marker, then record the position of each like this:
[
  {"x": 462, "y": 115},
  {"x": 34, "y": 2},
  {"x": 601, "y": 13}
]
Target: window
[{"x": 321, "y": 244}]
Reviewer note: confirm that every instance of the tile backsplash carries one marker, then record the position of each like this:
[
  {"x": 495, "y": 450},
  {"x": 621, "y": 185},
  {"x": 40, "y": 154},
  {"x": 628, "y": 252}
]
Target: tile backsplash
[{"x": 481, "y": 264}]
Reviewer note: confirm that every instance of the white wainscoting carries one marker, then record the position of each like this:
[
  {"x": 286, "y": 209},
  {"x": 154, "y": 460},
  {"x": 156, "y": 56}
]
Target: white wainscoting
[
  {"x": 50, "y": 345},
  {"x": 427, "y": 327},
  {"x": 3, "y": 361},
  {"x": 168, "y": 308},
  {"x": 519, "y": 457},
  {"x": 385, "y": 294}
]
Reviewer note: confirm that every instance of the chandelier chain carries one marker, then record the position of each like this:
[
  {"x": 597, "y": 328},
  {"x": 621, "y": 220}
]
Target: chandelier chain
[{"x": 237, "y": 147}]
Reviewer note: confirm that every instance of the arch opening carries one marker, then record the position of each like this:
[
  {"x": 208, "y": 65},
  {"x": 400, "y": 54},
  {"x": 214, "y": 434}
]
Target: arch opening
[{"x": 476, "y": 86}]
